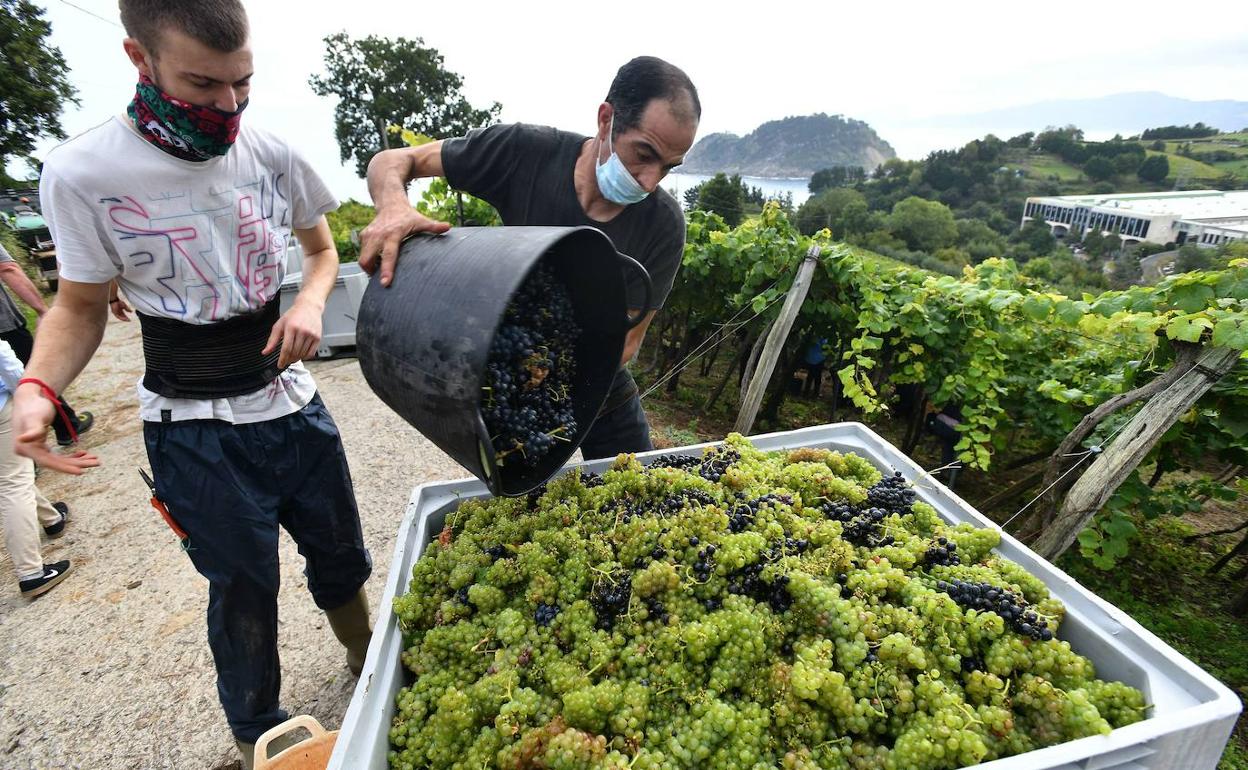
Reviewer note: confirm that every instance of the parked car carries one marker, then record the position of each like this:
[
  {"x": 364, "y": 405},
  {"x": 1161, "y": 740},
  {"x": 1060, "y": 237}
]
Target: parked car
[{"x": 18, "y": 209}]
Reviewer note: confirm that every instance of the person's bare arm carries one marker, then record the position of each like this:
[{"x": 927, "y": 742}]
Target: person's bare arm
[
  {"x": 632, "y": 342},
  {"x": 117, "y": 304},
  {"x": 299, "y": 329},
  {"x": 389, "y": 173},
  {"x": 68, "y": 336},
  {"x": 16, "y": 279}
]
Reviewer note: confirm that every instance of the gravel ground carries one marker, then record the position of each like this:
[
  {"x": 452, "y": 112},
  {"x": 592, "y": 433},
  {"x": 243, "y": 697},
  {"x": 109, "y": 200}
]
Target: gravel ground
[{"x": 111, "y": 669}]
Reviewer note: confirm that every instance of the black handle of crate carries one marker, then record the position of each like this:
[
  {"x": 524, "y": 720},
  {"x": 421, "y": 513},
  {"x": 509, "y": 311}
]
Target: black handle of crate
[{"x": 646, "y": 282}]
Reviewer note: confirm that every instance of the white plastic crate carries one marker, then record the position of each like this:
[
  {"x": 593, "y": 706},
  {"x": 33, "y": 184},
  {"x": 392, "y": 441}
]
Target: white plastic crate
[
  {"x": 341, "y": 308},
  {"x": 1192, "y": 715}
]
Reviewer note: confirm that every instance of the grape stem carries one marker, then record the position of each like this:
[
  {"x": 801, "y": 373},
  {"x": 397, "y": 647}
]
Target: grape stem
[
  {"x": 476, "y": 647},
  {"x": 878, "y": 699},
  {"x": 970, "y": 714}
]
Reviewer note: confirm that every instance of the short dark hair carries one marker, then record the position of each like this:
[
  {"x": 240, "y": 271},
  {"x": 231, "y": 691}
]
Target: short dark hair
[
  {"x": 645, "y": 79},
  {"x": 218, "y": 24}
]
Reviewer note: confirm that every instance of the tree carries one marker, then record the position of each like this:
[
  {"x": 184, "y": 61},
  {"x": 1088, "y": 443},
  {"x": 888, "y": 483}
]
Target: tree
[
  {"x": 1126, "y": 271},
  {"x": 1093, "y": 241},
  {"x": 1148, "y": 248},
  {"x": 1022, "y": 141},
  {"x": 974, "y": 230},
  {"x": 1155, "y": 168},
  {"x": 33, "y": 80},
  {"x": 442, "y": 203},
  {"x": 1193, "y": 257},
  {"x": 1034, "y": 239},
  {"x": 827, "y": 209},
  {"x": 381, "y": 83},
  {"x": 785, "y": 201},
  {"x": 953, "y": 255},
  {"x": 1112, "y": 244},
  {"x": 1099, "y": 168},
  {"x": 351, "y": 217},
  {"x": 1053, "y": 138},
  {"x": 1179, "y": 132},
  {"x": 923, "y": 225},
  {"x": 691, "y": 197},
  {"x": 836, "y": 176},
  {"x": 979, "y": 240},
  {"x": 1125, "y": 164},
  {"x": 722, "y": 195},
  {"x": 855, "y": 219}
]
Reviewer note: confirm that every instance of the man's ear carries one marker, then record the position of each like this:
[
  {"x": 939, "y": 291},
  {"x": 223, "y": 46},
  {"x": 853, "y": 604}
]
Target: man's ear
[
  {"x": 605, "y": 112},
  {"x": 139, "y": 57}
]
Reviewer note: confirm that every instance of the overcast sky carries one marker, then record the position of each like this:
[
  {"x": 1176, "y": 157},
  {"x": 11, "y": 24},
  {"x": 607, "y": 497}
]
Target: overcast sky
[{"x": 888, "y": 63}]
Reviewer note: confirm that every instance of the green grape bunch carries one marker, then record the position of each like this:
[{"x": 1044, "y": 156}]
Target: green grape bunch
[{"x": 745, "y": 610}]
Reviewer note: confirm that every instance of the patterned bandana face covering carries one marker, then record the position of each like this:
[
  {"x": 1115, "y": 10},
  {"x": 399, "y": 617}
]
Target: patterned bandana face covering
[{"x": 182, "y": 129}]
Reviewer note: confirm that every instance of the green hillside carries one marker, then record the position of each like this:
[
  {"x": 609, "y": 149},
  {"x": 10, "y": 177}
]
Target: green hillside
[
  {"x": 1043, "y": 166},
  {"x": 1209, "y": 158},
  {"x": 1187, "y": 167}
]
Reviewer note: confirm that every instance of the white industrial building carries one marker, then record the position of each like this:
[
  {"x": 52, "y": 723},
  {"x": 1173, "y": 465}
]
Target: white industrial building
[{"x": 1206, "y": 217}]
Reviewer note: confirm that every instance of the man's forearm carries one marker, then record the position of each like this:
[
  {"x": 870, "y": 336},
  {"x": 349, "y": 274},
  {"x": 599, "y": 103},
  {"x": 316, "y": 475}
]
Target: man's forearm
[
  {"x": 66, "y": 341},
  {"x": 320, "y": 272},
  {"x": 635, "y": 336},
  {"x": 388, "y": 175},
  {"x": 26, "y": 291},
  {"x": 390, "y": 171}
]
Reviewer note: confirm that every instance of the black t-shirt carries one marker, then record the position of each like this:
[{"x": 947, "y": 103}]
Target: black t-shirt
[{"x": 526, "y": 173}]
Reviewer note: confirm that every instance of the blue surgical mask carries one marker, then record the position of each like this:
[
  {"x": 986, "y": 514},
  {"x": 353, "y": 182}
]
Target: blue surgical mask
[{"x": 614, "y": 181}]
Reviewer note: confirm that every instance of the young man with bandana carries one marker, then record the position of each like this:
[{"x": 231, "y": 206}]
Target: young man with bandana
[
  {"x": 535, "y": 175},
  {"x": 190, "y": 209}
]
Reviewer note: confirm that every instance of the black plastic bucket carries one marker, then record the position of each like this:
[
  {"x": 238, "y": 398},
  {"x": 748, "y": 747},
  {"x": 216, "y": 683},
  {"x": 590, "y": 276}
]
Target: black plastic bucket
[{"x": 423, "y": 343}]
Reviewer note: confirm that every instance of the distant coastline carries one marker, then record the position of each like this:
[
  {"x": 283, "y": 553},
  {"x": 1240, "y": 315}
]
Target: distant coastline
[{"x": 678, "y": 182}]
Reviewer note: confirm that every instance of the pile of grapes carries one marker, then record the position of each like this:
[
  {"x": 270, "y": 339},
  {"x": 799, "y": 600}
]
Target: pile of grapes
[
  {"x": 744, "y": 610},
  {"x": 526, "y": 400}
]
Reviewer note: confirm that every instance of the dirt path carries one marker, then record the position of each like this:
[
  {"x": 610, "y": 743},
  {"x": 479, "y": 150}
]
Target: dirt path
[{"x": 112, "y": 669}]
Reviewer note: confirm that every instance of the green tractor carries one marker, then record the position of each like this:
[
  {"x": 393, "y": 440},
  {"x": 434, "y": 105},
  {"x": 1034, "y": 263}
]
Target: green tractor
[{"x": 18, "y": 210}]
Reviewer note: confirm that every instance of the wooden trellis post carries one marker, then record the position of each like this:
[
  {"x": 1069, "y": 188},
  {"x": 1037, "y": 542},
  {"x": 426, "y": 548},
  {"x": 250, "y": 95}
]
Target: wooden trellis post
[
  {"x": 1110, "y": 469},
  {"x": 776, "y": 338}
]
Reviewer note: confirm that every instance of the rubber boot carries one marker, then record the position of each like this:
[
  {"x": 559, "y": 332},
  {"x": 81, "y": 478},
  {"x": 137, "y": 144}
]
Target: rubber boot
[
  {"x": 351, "y": 626},
  {"x": 276, "y": 746}
]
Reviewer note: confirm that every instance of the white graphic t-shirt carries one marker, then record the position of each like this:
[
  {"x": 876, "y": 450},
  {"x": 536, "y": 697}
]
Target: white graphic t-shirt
[{"x": 196, "y": 242}]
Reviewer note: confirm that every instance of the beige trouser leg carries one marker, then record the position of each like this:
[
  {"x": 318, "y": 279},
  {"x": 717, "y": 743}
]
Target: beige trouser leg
[{"x": 25, "y": 510}]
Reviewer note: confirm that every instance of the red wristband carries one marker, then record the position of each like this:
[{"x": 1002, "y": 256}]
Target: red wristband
[{"x": 50, "y": 394}]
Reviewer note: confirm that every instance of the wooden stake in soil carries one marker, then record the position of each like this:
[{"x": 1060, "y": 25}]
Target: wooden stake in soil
[
  {"x": 1111, "y": 468},
  {"x": 775, "y": 343},
  {"x": 1185, "y": 356}
]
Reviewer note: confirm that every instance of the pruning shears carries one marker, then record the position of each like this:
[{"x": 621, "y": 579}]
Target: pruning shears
[{"x": 163, "y": 509}]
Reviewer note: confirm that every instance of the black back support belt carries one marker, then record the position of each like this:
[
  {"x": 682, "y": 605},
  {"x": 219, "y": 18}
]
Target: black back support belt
[{"x": 217, "y": 360}]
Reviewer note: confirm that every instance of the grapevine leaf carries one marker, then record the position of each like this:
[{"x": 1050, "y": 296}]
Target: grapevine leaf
[
  {"x": 1231, "y": 333},
  {"x": 1114, "y": 548},
  {"x": 1001, "y": 302},
  {"x": 1090, "y": 539},
  {"x": 1187, "y": 328},
  {"x": 1069, "y": 312},
  {"x": 1192, "y": 297},
  {"x": 1036, "y": 308},
  {"x": 1120, "y": 528}
]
